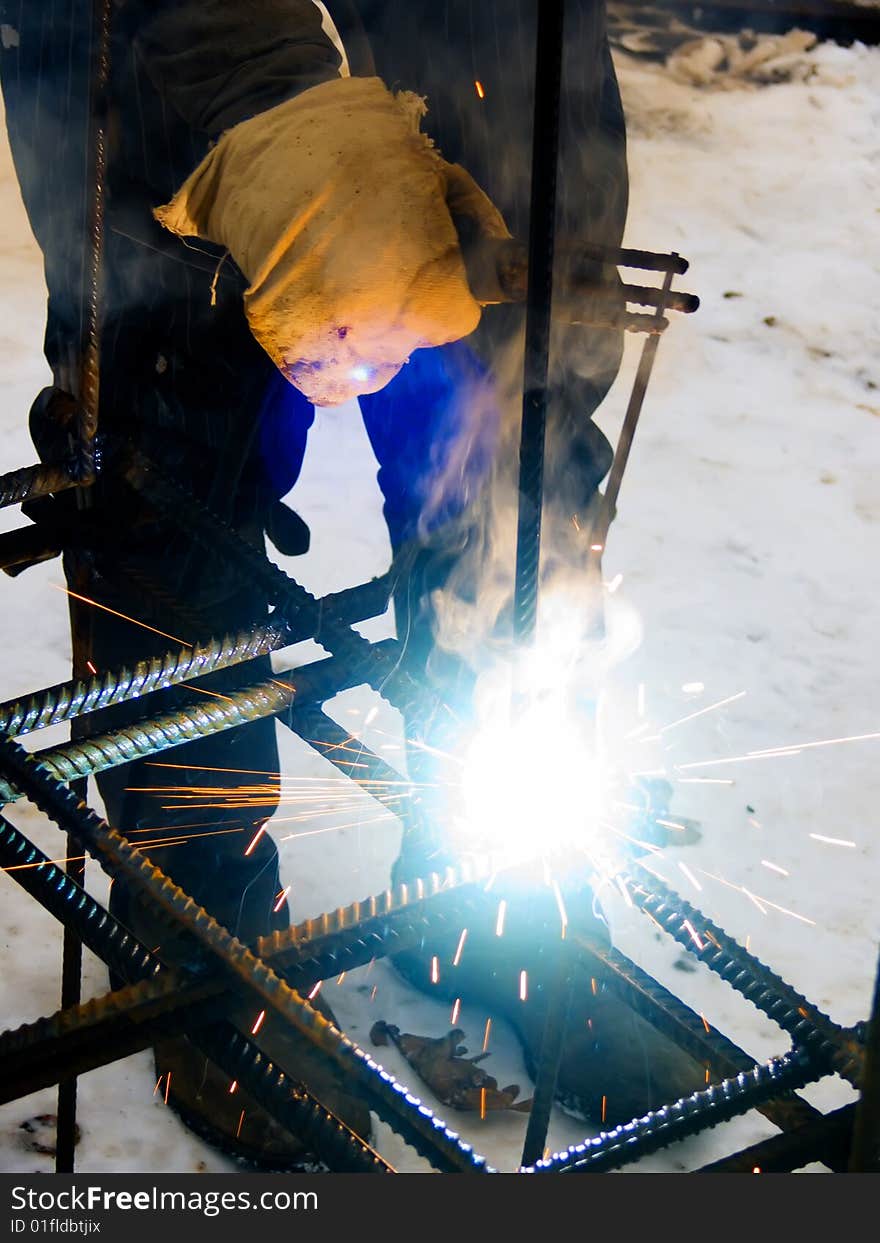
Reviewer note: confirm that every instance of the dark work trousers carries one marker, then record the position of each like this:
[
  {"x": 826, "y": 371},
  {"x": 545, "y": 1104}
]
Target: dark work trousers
[{"x": 182, "y": 376}]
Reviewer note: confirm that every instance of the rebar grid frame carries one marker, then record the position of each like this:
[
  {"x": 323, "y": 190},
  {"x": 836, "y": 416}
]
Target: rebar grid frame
[{"x": 159, "y": 1000}]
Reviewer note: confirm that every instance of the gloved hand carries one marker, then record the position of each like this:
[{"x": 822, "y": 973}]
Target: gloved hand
[{"x": 340, "y": 214}]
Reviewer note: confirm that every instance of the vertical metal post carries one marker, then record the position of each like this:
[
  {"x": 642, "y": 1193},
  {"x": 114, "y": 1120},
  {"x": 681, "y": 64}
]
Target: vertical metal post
[
  {"x": 83, "y": 469},
  {"x": 71, "y": 993},
  {"x": 865, "y": 1154},
  {"x": 89, "y": 384},
  {"x": 542, "y": 233},
  {"x": 542, "y": 237}
]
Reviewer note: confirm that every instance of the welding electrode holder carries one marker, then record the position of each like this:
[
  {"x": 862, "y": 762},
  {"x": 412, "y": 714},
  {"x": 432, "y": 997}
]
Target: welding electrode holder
[{"x": 590, "y": 290}]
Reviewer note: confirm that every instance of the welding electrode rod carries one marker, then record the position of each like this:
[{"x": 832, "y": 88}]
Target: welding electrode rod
[
  {"x": 542, "y": 229},
  {"x": 630, "y": 423}
]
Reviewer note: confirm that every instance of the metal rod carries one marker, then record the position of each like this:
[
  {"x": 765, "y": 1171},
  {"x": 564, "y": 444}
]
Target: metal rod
[
  {"x": 804, "y": 1022},
  {"x": 198, "y": 718},
  {"x": 87, "y": 1036},
  {"x": 687, "y": 1029},
  {"x": 71, "y": 992},
  {"x": 718, "y": 1103},
  {"x": 29, "y": 482},
  {"x": 608, "y": 504},
  {"x": 826, "y": 1138},
  {"x": 865, "y": 1156},
  {"x": 219, "y": 950},
  {"x": 542, "y": 234},
  {"x": 74, "y": 698},
  {"x": 552, "y": 1043},
  {"x": 89, "y": 394}
]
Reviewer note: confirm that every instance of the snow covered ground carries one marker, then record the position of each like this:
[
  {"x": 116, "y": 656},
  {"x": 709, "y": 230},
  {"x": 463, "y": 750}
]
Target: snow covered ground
[{"x": 747, "y": 540}]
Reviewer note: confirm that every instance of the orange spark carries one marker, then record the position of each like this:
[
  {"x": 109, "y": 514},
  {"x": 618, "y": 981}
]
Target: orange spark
[
  {"x": 124, "y": 616},
  {"x": 91, "y": 668},
  {"x": 686, "y": 923},
  {"x": 281, "y": 899},
  {"x": 256, "y": 837},
  {"x": 238, "y": 1128},
  {"x": 702, "y": 711},
  {"x": 479, "y": 88},
  {"x": 456, "y": 1011},
  {"x": 313, "y": 994},
  {"x": 604, "y": 1107},
  {"x": 482, "y": 1104},
  {"x": 499, "y": 923},
  {"x": 233, "y": 1087},
  {"x": 523, "y": 986},
  {"x": 435, "y": 970},
  {"x": 261, "y": 1018},
  {"x": 167, "y": 1087}
]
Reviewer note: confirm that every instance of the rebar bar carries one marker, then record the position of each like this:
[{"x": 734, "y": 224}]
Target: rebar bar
[
  {"x": 865, "y": 1156},
  {"x": 90, "y": 368},
  {"x": 29, "y": 482},
  {"x": 687, "y": 1029},
  {"x": 826, "y": 1138},
  {"x": 77, "y": 697},
  {"x": 803, "y": 1021},
  {"x": 718, "y": 1103},
  {"x": 82, "y": 1037},
  {"x": 221, "y": 951},
  {"x": 35, "y": 1055},
  {"x": 542, "y": 236},
  {"x": 199, "y": 718}
]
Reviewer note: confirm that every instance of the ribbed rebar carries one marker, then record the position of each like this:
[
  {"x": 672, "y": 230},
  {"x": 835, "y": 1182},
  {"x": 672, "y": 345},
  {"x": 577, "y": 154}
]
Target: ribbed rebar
[
  {"x": 718, "y": 1103},
  {"x": 223, "y": 952},
  {"x": 124, "y": 1021},
  {"x": 689, "y": 1030},
  {"x": 77, "y": 697},
  {"x": 90, "y": 368},
  {"x": 827, "y": 1139},
  {"x": 539, "y": 295},
  {"x": 153, "y": 735},
  {"x": 129, "y": 1019},
  {"x": 71, "y": 699},
  {"x": 770, "y": 994},
  {"x": 29, "y": 482},
  {"x": 200, "y": 718}
]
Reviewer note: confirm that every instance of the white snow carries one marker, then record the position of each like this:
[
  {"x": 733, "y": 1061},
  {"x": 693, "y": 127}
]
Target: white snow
[{"x": 747, "y": 540}]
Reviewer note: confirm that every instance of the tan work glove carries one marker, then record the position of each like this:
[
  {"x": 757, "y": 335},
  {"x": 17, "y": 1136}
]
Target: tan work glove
[{"x": 339, "y": 213}]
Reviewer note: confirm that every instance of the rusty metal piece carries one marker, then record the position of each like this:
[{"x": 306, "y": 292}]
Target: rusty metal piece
[{"x": 454, "y": 1079}]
